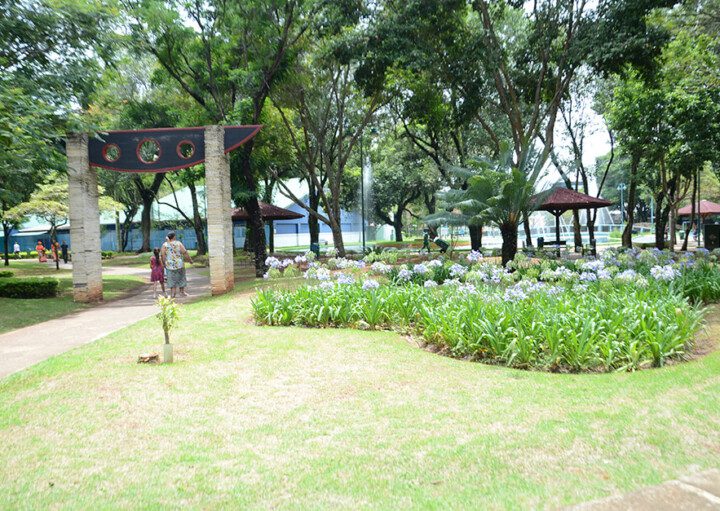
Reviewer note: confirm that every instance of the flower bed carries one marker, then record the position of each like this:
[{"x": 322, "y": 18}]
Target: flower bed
[{"x": 622, "y": 312}]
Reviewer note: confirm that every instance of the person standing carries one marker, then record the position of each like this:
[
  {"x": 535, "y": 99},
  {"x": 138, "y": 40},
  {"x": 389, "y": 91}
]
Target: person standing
[
  {"x": 157, "y": 272},
  {"x": 40, "y": 249},
  {"x": 16, "y": 250},
  {"x": 64, "y": 251},
  {"x": 173, "y": 256}
]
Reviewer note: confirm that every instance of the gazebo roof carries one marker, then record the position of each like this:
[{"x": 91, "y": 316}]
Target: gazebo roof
[
  {"x": 560, "y": 199},
  {"x": 706, "y": 208},
  {"x": 268, "y": 212}
]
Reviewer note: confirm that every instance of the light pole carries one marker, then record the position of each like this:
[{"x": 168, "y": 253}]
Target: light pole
[
  {"x": 621, "y": 188},
  {"x": 362, "y": 190}
]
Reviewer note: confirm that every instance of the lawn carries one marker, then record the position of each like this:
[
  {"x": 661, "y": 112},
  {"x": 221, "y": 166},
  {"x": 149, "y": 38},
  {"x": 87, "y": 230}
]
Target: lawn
[
  {"x": 268, "y": 417},
  {"x": 17, "y": 313}
]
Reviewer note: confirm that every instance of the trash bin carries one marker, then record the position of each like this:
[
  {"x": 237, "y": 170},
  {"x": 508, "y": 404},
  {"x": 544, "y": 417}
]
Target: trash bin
[
  {"x": 712, "y": 236},
  {"x": 541, "y": 242},
  {"x": 315, "y": 248}
]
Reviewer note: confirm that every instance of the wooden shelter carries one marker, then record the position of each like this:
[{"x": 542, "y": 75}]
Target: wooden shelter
[
  {"x": 269, "y": 214},
  {"x": 558, "y": 200}
]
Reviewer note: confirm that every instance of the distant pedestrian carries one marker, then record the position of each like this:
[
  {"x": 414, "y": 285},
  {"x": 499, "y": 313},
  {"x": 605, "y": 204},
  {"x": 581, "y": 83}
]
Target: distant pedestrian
[
  {"x": 173, "y": 256},
  {"x": 157, "y": 272},
  {"x": 16, "y": 249},
  {"x": 55, "y": 249},
  {"x": 426, "y": 241},
  {"x": 40, "y": 249},
  {"x": 64, "y": 251}
]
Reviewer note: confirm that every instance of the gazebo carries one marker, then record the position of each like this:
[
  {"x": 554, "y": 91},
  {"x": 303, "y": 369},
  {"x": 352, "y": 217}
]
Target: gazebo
[
  {"x": 269, "y": 213},
  {"x": 558, "y": 200},
  {"x": 705, "y": 208}
]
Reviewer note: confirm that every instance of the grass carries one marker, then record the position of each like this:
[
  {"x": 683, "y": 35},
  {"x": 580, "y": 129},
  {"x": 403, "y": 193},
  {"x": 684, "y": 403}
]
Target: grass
[
  {"x": 265, "y": 418},
  {"x": 17, "y": 313}
]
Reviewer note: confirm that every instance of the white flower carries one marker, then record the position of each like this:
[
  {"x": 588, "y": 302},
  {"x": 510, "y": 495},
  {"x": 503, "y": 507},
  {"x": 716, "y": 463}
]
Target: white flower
[
  {"x": 301, "y": 259},
  {"x": 344, "y": 278},
  {"x": 370, "y": 284},
  {"x": 380, "y": 268},
  {"x": 603, "y": 275},
  {"x": 434, "y": 263},
  {"x": 420, "y": 269},
  {"x": 467, "y": 288},
  {"x": 331, "y": 252},
  {"x": 326, "y": 285},
  {"x": 595, "y": 265},
  {"x": 451, "y": 282},
  {"x": 430, "y": 283},
  {"x": 457, "y": 270},
  {"x": 404, "y": 274},
  {"x": 286, "y": 262},
  {"x": 273, "y": 262},
  {"x": 266, "y": 275},
  {"x": 587, "y": 276},
  {"x": 665, "y": 273},
  {"x": 360, "y": 264},
  {"x": 474, "y": 256}
]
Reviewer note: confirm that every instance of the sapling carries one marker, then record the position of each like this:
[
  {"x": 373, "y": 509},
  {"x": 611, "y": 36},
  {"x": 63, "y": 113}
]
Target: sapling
[{"x": 168, "y": 315}]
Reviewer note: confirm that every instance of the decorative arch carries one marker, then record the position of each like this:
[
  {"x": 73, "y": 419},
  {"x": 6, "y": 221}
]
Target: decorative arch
[{"x": 120, "y": 151}]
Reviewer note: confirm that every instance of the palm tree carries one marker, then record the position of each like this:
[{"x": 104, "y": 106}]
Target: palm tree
[{"x": 494, "y": 191}]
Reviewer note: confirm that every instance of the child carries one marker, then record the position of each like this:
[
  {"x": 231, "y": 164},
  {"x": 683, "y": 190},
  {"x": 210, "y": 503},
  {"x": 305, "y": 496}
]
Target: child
[{"x": 157, "y": 272}]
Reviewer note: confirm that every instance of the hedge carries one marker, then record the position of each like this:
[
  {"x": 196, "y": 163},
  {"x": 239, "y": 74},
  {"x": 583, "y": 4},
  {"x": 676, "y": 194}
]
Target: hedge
[
  {"x": 28, "y": 287},
  {"x": 5, "y": 274}
]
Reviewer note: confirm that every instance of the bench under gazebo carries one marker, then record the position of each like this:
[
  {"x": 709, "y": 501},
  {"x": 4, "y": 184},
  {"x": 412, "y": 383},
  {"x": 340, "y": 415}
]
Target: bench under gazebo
[
  {"x": 558, "y": 200},
  {"x": 269, "y": 214}
]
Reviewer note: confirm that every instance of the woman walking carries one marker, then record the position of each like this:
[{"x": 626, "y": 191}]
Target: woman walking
[
  {"x": 157, "y": 272},
  {"x": 173, "y": 256}
]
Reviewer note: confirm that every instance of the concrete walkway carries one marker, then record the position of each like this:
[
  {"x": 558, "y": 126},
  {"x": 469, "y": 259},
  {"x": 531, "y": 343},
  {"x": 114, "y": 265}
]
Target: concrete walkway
[
  {"x": 27, "y": 346},
  {"x": 699, "y": 491}
]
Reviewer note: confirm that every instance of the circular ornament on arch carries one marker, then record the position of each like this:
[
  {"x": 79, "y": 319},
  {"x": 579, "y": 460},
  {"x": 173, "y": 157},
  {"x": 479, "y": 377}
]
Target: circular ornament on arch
[
  {"x": 185, "y": 149},
  {"x": 111, "y": 153},
  {"x": 148, "y": 151}
]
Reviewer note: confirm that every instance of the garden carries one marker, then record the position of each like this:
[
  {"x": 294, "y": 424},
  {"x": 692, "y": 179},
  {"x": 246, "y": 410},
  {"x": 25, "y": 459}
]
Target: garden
[{"x": 626, "y": 310}]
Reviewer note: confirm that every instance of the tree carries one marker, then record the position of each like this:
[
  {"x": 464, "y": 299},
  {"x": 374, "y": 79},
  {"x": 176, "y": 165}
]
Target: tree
[
  {"x": 227, "y": 57},
  {"x": 331, "y": 117},
  {"x": 401, "y": 176},
  {"x": 497, "y": 191}
]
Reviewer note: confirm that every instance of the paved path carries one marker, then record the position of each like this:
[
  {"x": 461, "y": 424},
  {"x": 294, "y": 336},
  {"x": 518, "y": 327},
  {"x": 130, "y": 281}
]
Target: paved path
[
  {"x": 699, "y": 491},
  {"x": 27, "y": 346}
]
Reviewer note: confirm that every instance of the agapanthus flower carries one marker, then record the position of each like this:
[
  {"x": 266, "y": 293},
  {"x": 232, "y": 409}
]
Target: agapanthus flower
[
  {"x": 420, "y": 269},
  {"x": 430, "y": 283},
  {"x": 474, "y": 256},
  {"x": 370, "y": 284},
  {"x": 588, "y": 276},
  {"x": 457, "y": 270},
  {"x": 434, "y": 263},
  {"x": 301, "y": 259},
  {"x": 404, "y": 274},
  {"x": 665, "y": 273},
  {"x": 380, "y": 268},
  {"x": 273, "y": 262},
  {"x": 344, "y": 278}
]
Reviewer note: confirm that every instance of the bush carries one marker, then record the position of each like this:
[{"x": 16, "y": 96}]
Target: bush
[
  {"x": 5, "y": 274},
  {"x": 29, "y": 287},
  {"x": 107, "y": 254}
]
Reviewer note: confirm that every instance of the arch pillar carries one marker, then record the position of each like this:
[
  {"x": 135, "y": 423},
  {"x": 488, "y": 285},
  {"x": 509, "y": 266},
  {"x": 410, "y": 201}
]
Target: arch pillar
[
  {"x": 219, "y": 211},
  {"x": 84, "y": 221}
]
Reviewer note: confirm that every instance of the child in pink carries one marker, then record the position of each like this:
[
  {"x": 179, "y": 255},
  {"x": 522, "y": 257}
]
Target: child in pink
[{"x": 157, "y": 272}]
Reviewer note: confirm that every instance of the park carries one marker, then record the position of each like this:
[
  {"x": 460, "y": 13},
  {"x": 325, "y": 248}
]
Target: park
[{"x": 300, "y": 254}]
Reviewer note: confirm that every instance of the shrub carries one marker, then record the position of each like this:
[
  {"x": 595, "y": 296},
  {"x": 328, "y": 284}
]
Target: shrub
[
  {"x": 28, "y": 287},
  {"x": 4, "y": 274}
]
